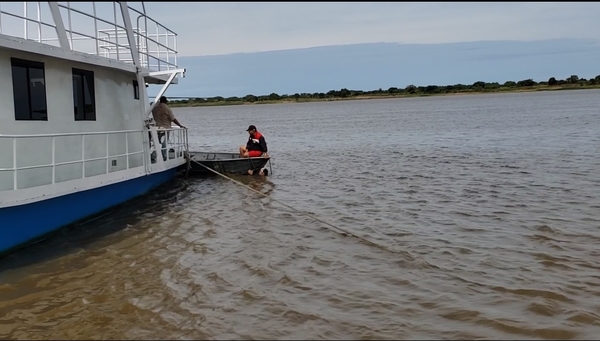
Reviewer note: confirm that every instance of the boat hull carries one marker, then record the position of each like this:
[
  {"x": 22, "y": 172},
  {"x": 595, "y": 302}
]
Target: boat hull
[
  {"x": 225, "y": 163},
  {"x": 28, "y": 223}
]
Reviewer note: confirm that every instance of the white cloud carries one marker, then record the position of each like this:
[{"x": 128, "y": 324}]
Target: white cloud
[
  {"x": 213, "y": 28},
  {"x": 206, "y": 28}
]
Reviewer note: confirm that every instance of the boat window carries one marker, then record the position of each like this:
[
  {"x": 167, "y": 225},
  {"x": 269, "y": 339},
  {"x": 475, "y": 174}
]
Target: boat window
[
  {"x": 136, "y": 90},
  {"x": 29, "y": 90},
  {"x": 84, "y": 98}
]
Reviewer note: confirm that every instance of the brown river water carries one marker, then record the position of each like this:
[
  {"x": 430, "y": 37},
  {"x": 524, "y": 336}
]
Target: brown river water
[{"x": 486, "y": 207}]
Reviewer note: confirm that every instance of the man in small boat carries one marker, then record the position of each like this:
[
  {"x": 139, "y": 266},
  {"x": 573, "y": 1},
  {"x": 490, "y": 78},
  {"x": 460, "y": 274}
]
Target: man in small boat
[
  {"x": 163, "y": 116},
  {"x": 255, "y": 147}
]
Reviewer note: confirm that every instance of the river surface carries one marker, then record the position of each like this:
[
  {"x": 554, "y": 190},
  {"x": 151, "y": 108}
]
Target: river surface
[{"x": 486, "y": 209}]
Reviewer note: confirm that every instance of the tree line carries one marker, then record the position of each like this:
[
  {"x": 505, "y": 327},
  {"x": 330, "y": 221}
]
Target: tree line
[{"x": 572, "y": 82}]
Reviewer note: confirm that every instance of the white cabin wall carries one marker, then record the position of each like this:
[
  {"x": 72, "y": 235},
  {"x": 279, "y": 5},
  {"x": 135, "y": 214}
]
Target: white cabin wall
[{"x": 116, "y": 110}]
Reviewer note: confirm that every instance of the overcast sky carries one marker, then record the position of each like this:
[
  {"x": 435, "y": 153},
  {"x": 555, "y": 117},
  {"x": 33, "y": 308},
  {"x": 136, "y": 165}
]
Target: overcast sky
[{"x": 206, "y": 28}]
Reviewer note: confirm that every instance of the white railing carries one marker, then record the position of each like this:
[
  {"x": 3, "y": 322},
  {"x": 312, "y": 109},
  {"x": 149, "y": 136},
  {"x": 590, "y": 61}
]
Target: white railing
[
  {"x": 173, "y": 143},
  {"x": 97, "y": 30},
  {"x": 81, "y": 159},
  {"x": 156, "y": 43},
  {"x": 20, "y": 19}
]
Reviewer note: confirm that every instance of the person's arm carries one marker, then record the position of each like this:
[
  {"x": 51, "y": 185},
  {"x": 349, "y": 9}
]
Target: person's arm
[
  {"x": 173, "y": 118},
  {"x": 263, "y": 144},
  {"x": 177, "y": 122}
]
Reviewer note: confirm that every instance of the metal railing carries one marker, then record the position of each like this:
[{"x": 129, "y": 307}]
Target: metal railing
[
  {"x": 81, "y": 159},
  {"x": 8, "y": 13},
  {"x": 163, "y": 54},
  {"x": 173, "y": 143},
  {"x": 156, "y": 44}
]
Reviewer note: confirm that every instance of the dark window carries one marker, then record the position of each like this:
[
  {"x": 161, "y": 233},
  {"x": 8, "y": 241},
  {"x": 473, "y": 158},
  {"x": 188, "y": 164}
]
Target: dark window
[
  {"x": 84, "y": 97},
  {"x": 136, "y": 90},
  {"x": 29, "y": 89}
]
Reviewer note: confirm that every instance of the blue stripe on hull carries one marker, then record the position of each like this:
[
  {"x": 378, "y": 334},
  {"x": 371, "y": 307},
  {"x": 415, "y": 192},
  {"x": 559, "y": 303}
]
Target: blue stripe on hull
[{"x": 26, "y": 223}]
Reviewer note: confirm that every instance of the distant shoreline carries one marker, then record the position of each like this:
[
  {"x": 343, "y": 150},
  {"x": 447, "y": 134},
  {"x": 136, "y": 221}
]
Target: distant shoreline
[{"x": 288, "y": 100}]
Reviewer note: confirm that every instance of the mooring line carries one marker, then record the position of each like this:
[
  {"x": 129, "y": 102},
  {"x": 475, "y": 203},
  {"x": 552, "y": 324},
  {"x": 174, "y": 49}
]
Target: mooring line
[{"x": 338, "y": 229}]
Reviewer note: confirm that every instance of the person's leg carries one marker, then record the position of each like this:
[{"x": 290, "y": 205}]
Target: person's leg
[
  {"x": 154, "y": 153},
  {"x": 163, "y": 144},
  {"x": 254, "y": 153},
  {"x": 243, "y": 151}
]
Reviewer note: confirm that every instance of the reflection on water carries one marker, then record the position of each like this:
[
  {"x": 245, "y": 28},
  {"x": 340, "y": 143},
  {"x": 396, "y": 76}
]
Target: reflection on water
[{"x": 491, "y": 202}]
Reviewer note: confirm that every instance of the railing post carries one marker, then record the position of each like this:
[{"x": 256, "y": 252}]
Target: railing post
[
  {"x": 181, "y": 139},
  {"x": 127, "y": 148},
  {"x": 157, "y": 146},
  {"x": 106, "y": 153},
  {"x": 116, "y": 32},
  {"x": 25, "y": 32},
  {"x": 53, "y": 159},
  {"x": 0, "y": 19},
  {"x": 14, "y": 163},
  {"x": 146, "y": 156},
  {"x": 39, "y": 17},
  {"x": 175, "y": 48},
  {"x": 70, "y": 26},
  {"x": 96, "y": 33},
  {"x": 158, "y": 46},
  {"x": 83, "y": 156}
]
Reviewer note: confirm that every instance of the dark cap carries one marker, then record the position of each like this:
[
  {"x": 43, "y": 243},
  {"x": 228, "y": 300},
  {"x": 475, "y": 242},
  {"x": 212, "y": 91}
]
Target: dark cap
[{"x": 251, "y": 127}]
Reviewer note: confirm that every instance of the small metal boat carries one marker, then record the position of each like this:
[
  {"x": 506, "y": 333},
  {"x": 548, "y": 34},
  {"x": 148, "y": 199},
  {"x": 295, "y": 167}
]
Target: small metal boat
[{"x": 225, "y": 163}]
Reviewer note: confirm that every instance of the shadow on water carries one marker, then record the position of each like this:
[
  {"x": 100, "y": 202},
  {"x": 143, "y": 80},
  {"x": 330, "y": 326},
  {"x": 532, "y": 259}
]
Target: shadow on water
[{"x": 80, "y": 236}]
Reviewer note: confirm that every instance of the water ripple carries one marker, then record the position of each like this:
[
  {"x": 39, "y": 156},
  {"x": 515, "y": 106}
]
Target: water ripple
[{"x": 490, "y": 203}]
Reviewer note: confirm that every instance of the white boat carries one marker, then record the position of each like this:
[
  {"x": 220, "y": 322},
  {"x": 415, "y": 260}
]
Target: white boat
[{"x": 75, "y": 137}]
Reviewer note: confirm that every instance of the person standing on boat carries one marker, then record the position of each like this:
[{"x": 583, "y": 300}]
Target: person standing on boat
[{"x": 163, "y": 116}]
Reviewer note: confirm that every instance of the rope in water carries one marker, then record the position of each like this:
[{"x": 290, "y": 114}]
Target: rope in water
[{"x": 336, "y": 228}]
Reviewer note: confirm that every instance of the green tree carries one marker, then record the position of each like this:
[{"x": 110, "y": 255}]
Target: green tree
[
  {"x": 493, "y": 85},
  {"x": 431, "y": 89},
  {"x": 573, "y": 79},
  {"x": 332, "y": 93},
  {"x": 411, "y": 89},
  {"x": 526, "y": 82},
  {"x": 552, "y": 81}
]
